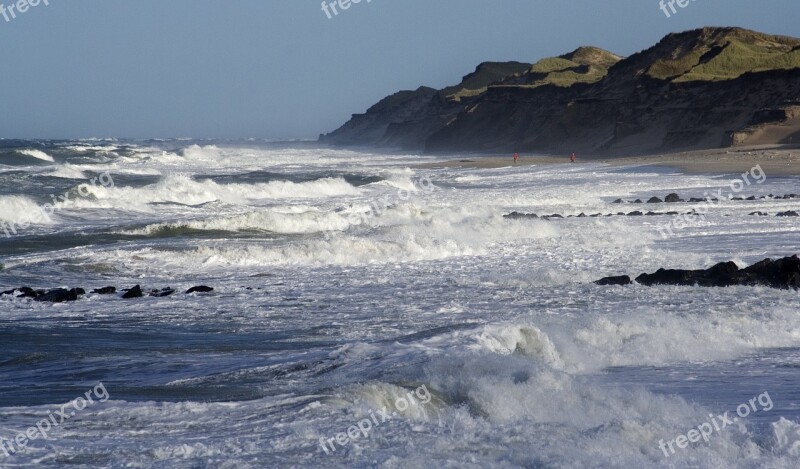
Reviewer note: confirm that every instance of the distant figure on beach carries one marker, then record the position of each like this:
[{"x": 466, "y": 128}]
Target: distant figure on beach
[
  {"x": 573, "y": 159},
  {"x": 516, "y": 157}
]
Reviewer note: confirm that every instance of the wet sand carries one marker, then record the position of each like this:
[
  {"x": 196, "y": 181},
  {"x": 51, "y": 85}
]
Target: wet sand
[{"x": 774, "y": 160}]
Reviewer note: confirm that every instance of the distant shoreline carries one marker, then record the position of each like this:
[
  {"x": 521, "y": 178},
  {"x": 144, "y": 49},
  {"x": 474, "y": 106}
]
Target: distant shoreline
[{"x": 774, "y": 160}]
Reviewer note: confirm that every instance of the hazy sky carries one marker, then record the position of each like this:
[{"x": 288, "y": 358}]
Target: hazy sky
[{"x": 282, "y": 69}]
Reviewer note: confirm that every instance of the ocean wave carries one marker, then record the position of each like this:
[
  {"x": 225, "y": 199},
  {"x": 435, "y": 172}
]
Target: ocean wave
[
  {"x": 92, "y": 148},
  {"x": 296, "y": 220},
  {"x": 196, "y": 152},
  {"x": 524, "y": 340},
  {"x": 38, "y": 154},
  {"x": 67, "y": 171},
  {"x": 181, "y": 189},
  {"x": 403, "y": 234},
  {"x": 20, "y": 209},
  {"x": 26, "y": 157}
]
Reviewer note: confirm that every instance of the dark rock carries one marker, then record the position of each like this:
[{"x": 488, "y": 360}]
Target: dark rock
[
  {"x": 60, "y": 295},
  {"x": 582, "y": 215},
  {"x": 638, "y": 201},
  {"x": 520, "y": 216},
  {"x": 555, "y": 215},
  {"x": 695, "y": 200},
  {"x": 782, "y": 273},
  {"x": 135, "y": 292},
  {"x": 652, "y": 214},
  {"x": 596, "y": 215},
  {"x": 752, "y": 197},
  {"x": 22, "y": 292},
  {"x": 721, "y": 275},
  {"x": 200, "y": 289},
  {"x": 105, "y": 291},
  {"x": 618, "y": 201},
  {"x": 654, "y": 200},
  {"x": 162, "y": 293},
  {"x": 758, "y": 214},
  {"x": 620, "y": 280},
  {"x": 673, "y": 198},
  {"x": 672, "y": 213},
  {"x": 635, "y": 214},
  {"x": 27, "y": 292},
  {"x": 790, "y": 213}
]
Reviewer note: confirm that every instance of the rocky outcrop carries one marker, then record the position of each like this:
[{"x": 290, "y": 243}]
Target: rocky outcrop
[
  {"x": 619, "y": 280},
  {"x": 135, "y": 292},
  {"x": 781, "y": 274},
  {"x": 60, "y": 295},
  {"x": 163, "y": 293}
]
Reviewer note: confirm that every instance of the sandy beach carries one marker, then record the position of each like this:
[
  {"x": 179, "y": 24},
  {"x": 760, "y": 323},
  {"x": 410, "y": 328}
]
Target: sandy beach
[{"x": 775, "y": 160}]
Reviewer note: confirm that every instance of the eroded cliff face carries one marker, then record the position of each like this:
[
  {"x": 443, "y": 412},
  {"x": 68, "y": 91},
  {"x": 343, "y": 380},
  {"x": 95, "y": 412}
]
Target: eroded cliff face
[
  {"x": 406, "y": 119},
  {"x": 699, "y": 89},
  {"x": 654, "y": 116},
  {"x": 371, "y": 127}
]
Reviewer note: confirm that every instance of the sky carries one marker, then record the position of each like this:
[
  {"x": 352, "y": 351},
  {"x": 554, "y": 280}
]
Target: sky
[{"x": 284, "y": 69}]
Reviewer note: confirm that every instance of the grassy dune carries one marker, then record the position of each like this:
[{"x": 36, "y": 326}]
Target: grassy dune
[{"x": 727, "y": 55}]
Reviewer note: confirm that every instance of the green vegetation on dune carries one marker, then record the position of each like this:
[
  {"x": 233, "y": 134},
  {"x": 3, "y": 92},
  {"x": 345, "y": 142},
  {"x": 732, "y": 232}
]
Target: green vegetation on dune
[
  {"x": 484, "y": 75},
  {"x": 725, "y": 55},
  {"x": 737, "y": 58},
  {"x": 553, "y": 64},
  {"x": 584, "y": 65},
  {"x": 593, "y": 56},
  {"x": 568, "y": 78}
]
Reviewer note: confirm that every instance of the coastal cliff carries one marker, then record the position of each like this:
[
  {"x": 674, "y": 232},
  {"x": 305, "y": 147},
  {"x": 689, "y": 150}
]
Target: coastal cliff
[{"x": 706, "y": 88}]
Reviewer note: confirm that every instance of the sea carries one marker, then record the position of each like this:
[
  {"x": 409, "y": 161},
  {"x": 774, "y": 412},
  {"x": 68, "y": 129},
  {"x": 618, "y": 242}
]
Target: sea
[{"x": 376, "y": 309}]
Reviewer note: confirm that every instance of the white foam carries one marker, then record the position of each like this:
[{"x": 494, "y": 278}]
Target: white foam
[
  {"x": 528, "y": 341},
  {"x": 296, "y": 220},
  {"x": 196, "y": 152},
  {"x": 787, "y": 437},
  {"x": 87, "y": 148},
  {"x": 182, "y": 189},
  {"x": 38, "y": 154},
  {"x": 68, "y": 171},
  {"x": 403, "y": 234},
  {"x": 22, "y": 210}
]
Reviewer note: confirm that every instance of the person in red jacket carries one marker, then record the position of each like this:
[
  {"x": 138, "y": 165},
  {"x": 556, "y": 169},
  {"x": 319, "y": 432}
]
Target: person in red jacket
[
  {"x": 516, "y": 157},
  {"x": 573, "y": 159}
]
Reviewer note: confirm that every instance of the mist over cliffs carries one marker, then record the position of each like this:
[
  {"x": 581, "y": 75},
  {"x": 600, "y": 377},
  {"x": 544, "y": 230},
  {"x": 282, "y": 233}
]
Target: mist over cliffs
[{"x": 705, "y": 88}]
